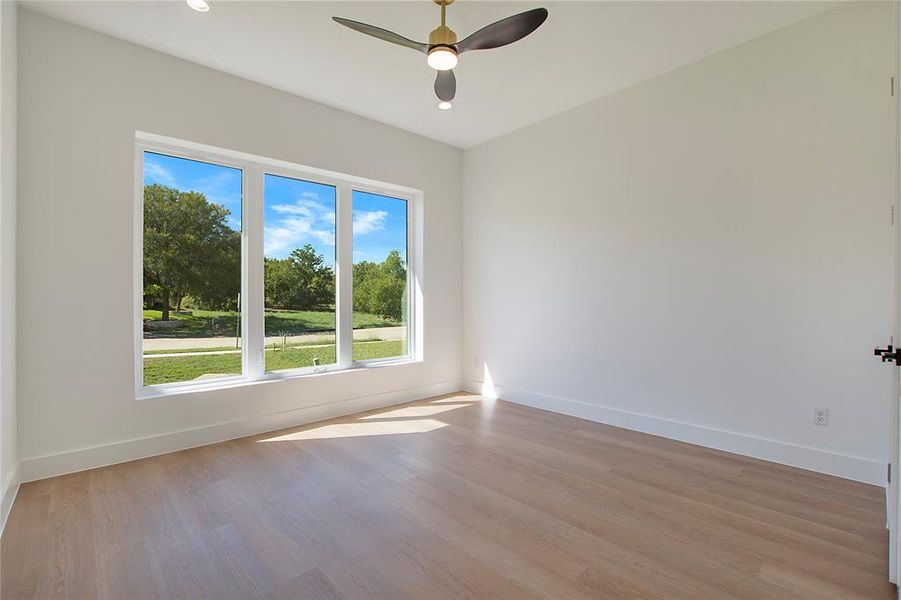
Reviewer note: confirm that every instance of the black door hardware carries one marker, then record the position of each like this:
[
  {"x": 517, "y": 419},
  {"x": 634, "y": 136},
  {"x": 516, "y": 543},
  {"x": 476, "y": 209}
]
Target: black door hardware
[{"x": 889, "y": 354}]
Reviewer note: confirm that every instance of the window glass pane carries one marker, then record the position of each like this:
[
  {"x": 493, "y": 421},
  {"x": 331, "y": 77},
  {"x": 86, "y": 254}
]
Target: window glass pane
[
  {"x": 192, "y": 270},
  {"x": 380, "y": 294},
  {"x": 299, "y": 273}
]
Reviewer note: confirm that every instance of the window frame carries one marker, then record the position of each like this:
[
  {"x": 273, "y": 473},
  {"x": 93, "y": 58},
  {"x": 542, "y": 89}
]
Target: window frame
[
  {"x": 254, "y": 169},
  {"x": 410, "y": 280}
]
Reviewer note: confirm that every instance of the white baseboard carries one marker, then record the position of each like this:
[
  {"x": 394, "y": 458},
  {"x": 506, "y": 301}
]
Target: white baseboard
[
  {"x": 804, "y": 457},
  {"x": 7, "y": 496},
  {"x": 81, "y": 459}
]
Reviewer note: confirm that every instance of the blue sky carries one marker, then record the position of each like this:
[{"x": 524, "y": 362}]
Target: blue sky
[
  {"x": 296, "y": 212},
  {"x": 219, "y": 184},
  {"x": 380, "y": 226}
]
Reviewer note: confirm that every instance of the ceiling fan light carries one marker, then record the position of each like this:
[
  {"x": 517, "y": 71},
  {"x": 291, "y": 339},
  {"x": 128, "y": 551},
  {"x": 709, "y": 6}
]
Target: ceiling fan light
[
  {"x": 442, "y": 58},
  {"x": 444, "y": 105},
  {"x": 199, "y": 5}
]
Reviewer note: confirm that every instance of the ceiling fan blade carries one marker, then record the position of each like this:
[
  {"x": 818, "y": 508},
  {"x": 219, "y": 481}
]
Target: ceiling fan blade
[
  {"x": 382, "y": 34},
  {"x": 446, "y": 85},
  {"x": 503, "y": 32}
]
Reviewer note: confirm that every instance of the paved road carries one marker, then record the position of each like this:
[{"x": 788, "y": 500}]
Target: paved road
[{"x": 385, "y": 333}]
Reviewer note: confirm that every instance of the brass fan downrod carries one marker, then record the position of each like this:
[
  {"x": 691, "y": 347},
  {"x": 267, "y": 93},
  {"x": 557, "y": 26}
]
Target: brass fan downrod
[{"x": 443, "y": 35}]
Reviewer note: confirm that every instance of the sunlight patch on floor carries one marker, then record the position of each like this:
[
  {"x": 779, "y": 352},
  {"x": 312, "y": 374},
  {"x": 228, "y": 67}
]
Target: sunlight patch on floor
[
  {"x": 466, "y": 400},
  {"x": 360, "y": 429},
  {"x": 418, "y": 410}
]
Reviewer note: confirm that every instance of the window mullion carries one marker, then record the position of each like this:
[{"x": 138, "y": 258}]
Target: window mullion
[
  {"x": 253, "y": 306},
  {"x": 344, "y": 276}
]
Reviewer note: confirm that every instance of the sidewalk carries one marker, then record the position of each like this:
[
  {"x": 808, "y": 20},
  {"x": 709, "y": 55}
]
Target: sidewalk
[{"x": 385, "y": 333}]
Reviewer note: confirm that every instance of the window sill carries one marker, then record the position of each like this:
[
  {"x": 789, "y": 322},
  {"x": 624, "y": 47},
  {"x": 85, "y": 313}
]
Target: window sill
[{"x": 178, "y": 389}]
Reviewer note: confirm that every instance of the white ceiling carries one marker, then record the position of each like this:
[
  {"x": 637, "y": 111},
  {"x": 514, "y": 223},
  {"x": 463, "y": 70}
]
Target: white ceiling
[{"x": 585, "y": 50}]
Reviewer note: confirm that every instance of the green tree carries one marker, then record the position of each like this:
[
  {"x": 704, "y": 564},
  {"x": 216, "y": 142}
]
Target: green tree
[
  {"x": 317, "y": 278},
  {"x": 281, "y": 283},
  {"x": 381, "y": 288},
  {"x": 189, "y": 249},
  {"x": 364, "y": 273},
  {"x": 302, "y": 281}
]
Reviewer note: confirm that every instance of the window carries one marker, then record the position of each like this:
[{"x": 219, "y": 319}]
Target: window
[
  {"x": 380, "y": 285},
  {"x": 191, "y": 321},
  {"x": 299, "y": 273},
  {"x": 250, "y": 268}
]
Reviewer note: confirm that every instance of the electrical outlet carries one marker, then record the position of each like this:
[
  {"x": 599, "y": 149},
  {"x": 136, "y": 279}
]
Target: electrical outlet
[{"x": 820, "y": 415}]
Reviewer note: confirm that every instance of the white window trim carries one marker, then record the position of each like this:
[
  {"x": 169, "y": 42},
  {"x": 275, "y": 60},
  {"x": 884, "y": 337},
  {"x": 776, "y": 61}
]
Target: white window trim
[{"x": 254, "y": 169}]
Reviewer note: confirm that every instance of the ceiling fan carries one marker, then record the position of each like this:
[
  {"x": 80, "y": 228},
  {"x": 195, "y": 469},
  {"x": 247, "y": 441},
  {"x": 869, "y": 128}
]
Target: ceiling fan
[{"x": 443, "y": 47}]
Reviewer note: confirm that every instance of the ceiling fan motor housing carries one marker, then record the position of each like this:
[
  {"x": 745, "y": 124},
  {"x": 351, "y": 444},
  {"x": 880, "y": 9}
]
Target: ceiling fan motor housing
[{"x": 442, "y": 36}]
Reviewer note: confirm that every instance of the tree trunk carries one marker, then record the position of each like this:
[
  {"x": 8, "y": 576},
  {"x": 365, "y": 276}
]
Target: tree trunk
[{"x": 165, "y": 305}]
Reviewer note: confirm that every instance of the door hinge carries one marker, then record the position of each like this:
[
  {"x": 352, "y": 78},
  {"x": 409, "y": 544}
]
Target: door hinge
[
  {"x": 892, "y": 217},
  {"x": 888, "y": 474},
  {"x": 892, "y": 86}
]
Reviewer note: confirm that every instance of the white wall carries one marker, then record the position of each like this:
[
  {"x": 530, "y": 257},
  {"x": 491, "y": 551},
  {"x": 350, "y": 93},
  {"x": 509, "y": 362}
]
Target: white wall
[
  {"x": 9, "y": 461},
  {"x": 82, "y": 96},
  {"x": 706, "y": 255}
]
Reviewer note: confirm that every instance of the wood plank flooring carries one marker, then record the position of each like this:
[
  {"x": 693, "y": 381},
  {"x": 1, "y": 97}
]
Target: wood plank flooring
[{"x": 451, "y": 497}]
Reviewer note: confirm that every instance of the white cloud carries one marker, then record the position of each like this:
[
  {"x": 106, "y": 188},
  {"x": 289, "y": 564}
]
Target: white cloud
[
  {"x": 157, "y": 173},
  {"x": 292, "y": 209},
  {"x": 294, "y": 232},
  {"x": 369, "y": 221},
  {"x": 306, "y": 208},
  {"x": 297, "y": 224}
]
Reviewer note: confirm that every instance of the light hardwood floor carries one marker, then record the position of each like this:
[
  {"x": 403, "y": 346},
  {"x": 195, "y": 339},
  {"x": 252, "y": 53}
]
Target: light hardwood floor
[{"x": 452, "y": 497}]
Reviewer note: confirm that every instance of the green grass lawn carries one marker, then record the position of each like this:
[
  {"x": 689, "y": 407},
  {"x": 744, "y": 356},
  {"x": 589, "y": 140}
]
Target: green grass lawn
[
  {"x": 170, "y": 369},
  {"x": 201, "y": 323}
]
